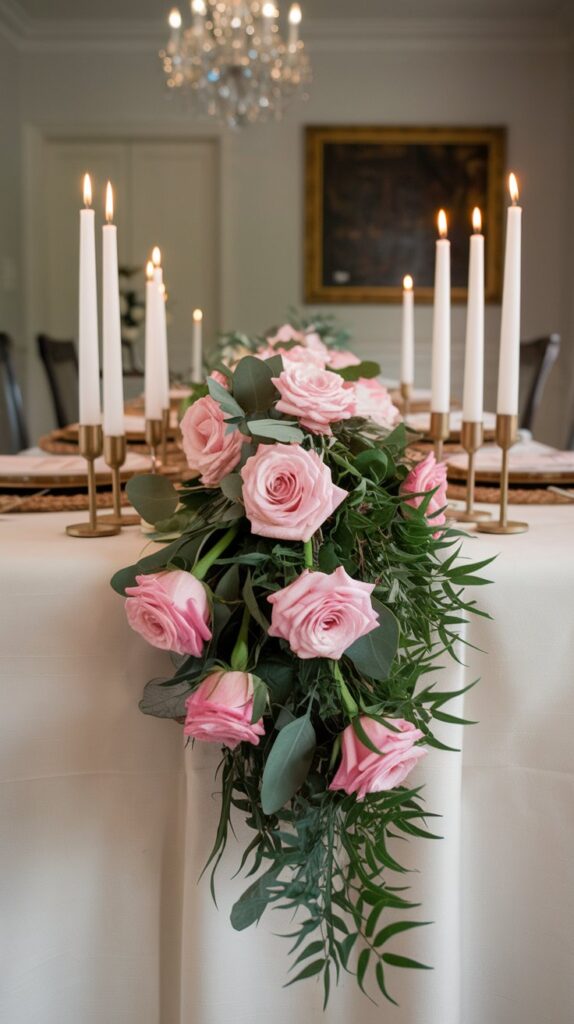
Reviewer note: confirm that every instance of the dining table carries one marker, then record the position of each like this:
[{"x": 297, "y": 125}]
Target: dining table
[{"x": 108, "y": 818}]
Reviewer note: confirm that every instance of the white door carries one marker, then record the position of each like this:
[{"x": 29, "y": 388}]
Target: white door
[{"x": 166, "y": 195}]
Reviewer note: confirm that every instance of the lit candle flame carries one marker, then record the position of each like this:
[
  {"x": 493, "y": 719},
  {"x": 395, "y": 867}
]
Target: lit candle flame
[
  {"x": 156, "y": 256},
  {"x": 109, "y": 203},
  {"x": 198, "y": 7},
  {"x": 149, "y": 270},
  {"x": 197, "y": 315},
  {"x": 442, "y": 224},
  {"x": 476, "y": 220},
  {"x": 513, "y": 188},
  {"x": 408, "y": 283},
  {"x": 174, "y": 18},
  {"x": 295, "y": 14},
  {"x": 269, "y": 11},
  {"x": 87, "y": 190}
]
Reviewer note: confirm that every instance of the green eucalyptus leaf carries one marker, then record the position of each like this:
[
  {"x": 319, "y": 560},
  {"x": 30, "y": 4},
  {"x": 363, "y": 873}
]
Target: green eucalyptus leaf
[
  {"x": 153, "y": 496},
  {"x": 366, "y": 369},
  {"x": 165, "y": 699},
  {"x": 251, "y": 602},
  {"x": 252, "y": 385},
  {"x": 288, "y": 764},
  {"x": 251, "y": 904},
  {"x": 224, "y": 399},
  {"x": 275, "y": 430},
  {"x": 260, "y": 699},
  {"x": 373, "y": 654},
  {"x": 232, "y": 487},
  {"x": 151, "y": 563}
]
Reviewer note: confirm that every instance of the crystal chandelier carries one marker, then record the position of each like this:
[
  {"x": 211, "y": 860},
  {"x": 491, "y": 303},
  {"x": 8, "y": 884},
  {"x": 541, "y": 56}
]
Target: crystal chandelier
[{"x": 233, "y": 62}]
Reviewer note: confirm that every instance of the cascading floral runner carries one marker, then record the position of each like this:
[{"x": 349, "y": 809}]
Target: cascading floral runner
[{"x": 308, "y": 590}]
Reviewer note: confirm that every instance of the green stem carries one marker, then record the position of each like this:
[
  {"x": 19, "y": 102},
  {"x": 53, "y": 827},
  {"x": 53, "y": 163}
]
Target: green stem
[
  {"x": 308, "y": 553},
  {"x": 240, "y": 653},
  {"x": 349, "y": 702},
  {"x": 204, "y": 565}
]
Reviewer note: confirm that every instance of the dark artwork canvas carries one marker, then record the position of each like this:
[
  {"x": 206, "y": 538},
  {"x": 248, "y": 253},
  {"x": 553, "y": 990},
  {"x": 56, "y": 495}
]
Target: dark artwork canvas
[{"x": 372, "y": 201}]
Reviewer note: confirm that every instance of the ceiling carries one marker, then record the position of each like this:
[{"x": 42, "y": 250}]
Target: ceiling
[{"x": 122, "y": 10}]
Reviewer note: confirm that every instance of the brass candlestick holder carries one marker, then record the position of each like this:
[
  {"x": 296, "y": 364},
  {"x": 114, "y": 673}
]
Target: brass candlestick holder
[
  {"x": 115, "y": 455},
  {"x": 90, "y": 446},
  {"x": 506, "y": 433},
  {"x": 153, "y": 437},
  {"x": 165, "y": 420},
  {"x": 439, "y": 432},
  {"x": 406, "y": 394},
  {"x": 471, "y": 436}
]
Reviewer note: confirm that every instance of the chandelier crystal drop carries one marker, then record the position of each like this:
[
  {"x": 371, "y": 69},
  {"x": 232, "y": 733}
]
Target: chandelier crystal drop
[{"x": 233, "y": 62}]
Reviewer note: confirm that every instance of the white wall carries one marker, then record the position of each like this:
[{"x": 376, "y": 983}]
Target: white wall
[{"x": 528, "y": 91}]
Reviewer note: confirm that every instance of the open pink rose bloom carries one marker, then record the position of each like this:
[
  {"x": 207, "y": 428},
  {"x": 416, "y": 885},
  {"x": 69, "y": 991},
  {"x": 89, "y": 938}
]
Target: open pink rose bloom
[
  {"x": 362, "y": 771},
  {"x": 321, "y": 615},
  {"x": 210, "y": 448},
  {"x": 170, "y": 610},
  {"x": 221, "y": 709}
]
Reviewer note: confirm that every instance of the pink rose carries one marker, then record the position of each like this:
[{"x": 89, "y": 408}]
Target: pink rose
[
  {"x": 315, "y": 397},
  {"x": 321, "y": 615},
  {"x": 426, "y": 476},
  {"x": 221, "y": 709},
  {"x": 285, "y": 333},
  {"x": 373, "y": 402},
  {"x": 362, "y": 771},
  {"x": 220, "y": 377},
  {"x": 339, "y": 359},
  {"x": 170, "y": 610},
  {"x": 314, "y": 342},
  {"x": 209, "y": 447},
  {"x": 288, "y": 492}
]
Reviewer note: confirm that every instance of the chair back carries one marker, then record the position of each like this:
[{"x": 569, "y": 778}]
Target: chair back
[
  {"x": 13, "y": 430},
  {"x": 537, "y": 357},
  {"x": 61, "y": 365}
]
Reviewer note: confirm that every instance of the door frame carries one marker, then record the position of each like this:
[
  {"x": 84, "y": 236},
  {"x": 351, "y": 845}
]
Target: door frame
[{"x": 35, "y": 137}]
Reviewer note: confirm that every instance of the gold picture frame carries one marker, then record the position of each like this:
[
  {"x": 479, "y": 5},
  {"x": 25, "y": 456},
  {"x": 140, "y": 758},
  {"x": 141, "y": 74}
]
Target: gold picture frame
[{"x": 371, "y": 198}]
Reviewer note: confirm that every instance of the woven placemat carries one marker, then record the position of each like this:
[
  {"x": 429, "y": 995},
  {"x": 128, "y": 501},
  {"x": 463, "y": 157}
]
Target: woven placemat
[
  {"x": 56, "y": 443},
  {"x": 13, "y": 503},
  {"x": 516, "y": 495}
]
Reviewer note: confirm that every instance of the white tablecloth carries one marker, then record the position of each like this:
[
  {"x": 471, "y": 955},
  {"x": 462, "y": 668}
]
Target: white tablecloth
[{"x": 101, "y": 917}]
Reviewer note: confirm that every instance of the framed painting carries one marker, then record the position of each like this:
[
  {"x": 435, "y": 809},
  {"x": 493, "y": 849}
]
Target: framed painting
[{"x": 372, "y": 195}]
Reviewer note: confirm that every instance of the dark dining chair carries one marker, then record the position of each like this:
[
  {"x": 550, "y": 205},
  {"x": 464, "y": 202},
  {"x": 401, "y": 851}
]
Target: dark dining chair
[
  {"x": 61, "y": 364},
  {"x": 13, "y": 430},
  {"x": 537, "y": 357}
]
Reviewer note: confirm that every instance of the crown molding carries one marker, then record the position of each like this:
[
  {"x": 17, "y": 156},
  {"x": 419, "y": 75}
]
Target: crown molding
[{"x": 42, "y": 35}]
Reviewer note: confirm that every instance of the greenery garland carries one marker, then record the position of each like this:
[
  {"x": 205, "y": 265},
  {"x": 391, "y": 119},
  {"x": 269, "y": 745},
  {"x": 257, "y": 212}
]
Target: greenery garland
[{"x": 322, "y": 853}]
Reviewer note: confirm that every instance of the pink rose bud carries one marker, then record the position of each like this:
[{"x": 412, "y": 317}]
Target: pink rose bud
[
  {"x": 340, "y": 358},
  {"x": 220, "y": 378},
  {"x": 288, "y": 492},
  {"x": 298, "y": 355},
  {"x": 361, "y": 771},
  {"x": 221, "y": 709},
  {"x": 320, "y": 615},
  {"x": 313, "y": 341},
  {"x": 315, "y": 397},
  {"x": 170, "y": 610},
  {"x": 210, "y": 448},
  {"x": 373, "y": 402},
  {"x": 285, "y": 333},
  {"x": 425, "y": 476}
]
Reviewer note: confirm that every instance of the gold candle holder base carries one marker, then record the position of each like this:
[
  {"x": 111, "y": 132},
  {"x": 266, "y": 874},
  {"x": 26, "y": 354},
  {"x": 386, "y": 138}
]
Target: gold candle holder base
[
  {"x": 471, "y": 436},
  {"x": 165, "y": 419},
  {"x": 406, "y": 395},
  {"x": 506, "y": 432},
  {"x": 115, "y": 449},
  {"x": 90, "y": 446},
  {"x": 439, "y": 432},
  {"x": 153, "y": 437}
]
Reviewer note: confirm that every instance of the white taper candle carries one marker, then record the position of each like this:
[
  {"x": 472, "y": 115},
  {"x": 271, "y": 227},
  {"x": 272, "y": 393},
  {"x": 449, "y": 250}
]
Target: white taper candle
[
  {"x": 111, "y": 326},
  {"x": 440, "y": 383},
  {"x": 153, "y": 383},
  {"x": 89, "y": 355},
  {"x": 473, "y": 389},
  {"x": 509, "y": 363},
  {"x": 197, "y": 348},
  {"x": 408, "y": 333}
]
